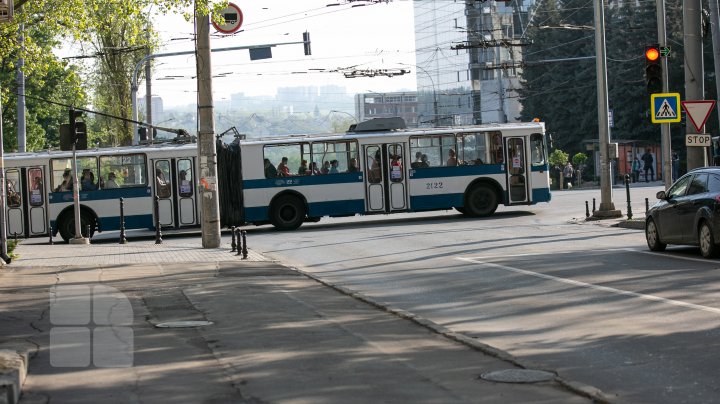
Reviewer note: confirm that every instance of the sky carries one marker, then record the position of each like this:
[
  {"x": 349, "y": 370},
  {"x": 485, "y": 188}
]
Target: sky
[{"x": 377, "y": 36}]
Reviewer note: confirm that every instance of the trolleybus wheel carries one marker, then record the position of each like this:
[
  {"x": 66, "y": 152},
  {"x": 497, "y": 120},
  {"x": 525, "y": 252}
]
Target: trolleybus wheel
[
  {"x": 287, "y": 213},
  {"x": 481, "y": 201},
  {"x": 66, "y": 225}
]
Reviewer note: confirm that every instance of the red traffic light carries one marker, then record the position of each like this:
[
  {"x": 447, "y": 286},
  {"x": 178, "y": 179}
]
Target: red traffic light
[{"x": 652, "y": 54}]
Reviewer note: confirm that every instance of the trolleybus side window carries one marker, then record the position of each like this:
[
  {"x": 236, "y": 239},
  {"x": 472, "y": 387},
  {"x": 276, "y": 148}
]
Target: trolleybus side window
[
  {"x": 86, "y": 167},
  {"x": 122, "y": 171},
  {"x": 13, "y": 188},
  {"x": 294, "y": 153},
  {"x": 37, "y": 190},
  {"x": 496, "y": 148},
  {"x": 537, "y": 149},
  {"x": 436, "y": 148},
  {"x": 163, "y": 182},
  {"x": 374, "y": 169},
  {"x": 334, "y": 157},
  {"x": 185, "y": 178},
  {"x": 472, "y": 148}
]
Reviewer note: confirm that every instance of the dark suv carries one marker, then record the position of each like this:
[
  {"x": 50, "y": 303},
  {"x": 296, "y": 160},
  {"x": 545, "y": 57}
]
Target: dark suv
[{"x": 687, "y": 213}]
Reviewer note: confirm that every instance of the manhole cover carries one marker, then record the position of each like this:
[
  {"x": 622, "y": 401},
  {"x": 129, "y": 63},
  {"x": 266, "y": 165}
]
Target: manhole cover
[
  {"x": 518, "y": 376},
  {"x": 183, "y": 324}
]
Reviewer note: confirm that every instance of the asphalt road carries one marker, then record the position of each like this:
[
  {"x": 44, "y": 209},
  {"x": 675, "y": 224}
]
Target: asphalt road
[{"x": 585, "y": 299}]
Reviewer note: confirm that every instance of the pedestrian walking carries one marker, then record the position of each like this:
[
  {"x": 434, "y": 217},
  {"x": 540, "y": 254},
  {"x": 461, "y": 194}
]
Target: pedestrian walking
[
  {"x": 636, "y": 164},
  {"x": 648, "y": 161},
  {"x": 568, "y": 172}
]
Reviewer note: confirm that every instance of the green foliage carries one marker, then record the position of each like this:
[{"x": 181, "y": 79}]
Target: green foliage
[
  {"x": 110, "y": 28},
  {"x": 558, "y": 158},
  {"x": 579, "y": 159}
]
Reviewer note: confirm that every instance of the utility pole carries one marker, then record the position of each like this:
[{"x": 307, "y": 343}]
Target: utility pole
[
  {"x": 148, "y": 88},
  {"x": 3, "y": 192},
  {"x": 694, "y": 72},
  {"x": 607, "y": 208},
  {"x": 714, "y": 21},
  {"x": 207, "y": 152},
  {"x": 20, "y": 80},
  {"x": 665, "y": 139}
]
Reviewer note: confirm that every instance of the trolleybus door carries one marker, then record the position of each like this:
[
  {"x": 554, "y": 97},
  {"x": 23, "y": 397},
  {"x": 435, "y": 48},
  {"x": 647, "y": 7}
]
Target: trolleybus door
[
  {"x": 185, "y": 192},
  {"x": 26, "y": 210},
  {"x": 163, "y": 190},
  {"x": 14, "y": 201},
  {"x": 385, "y": 177},
  {"x": 35, "y": 201},
  {"x": 517, "y": 175}
]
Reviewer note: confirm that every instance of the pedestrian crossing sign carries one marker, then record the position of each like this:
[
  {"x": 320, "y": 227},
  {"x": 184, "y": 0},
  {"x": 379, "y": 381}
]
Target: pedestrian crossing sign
[{"x": 665, "y": 107}]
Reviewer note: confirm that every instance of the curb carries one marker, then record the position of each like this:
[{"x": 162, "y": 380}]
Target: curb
[
  {"x": 13, "y": 370},
  {"x": 581, "y": 389}
]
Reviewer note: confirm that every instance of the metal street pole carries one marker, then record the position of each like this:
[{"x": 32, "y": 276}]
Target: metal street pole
[
  {"x": 714, "y": 21},
  {"x": 21, "y": 127},
  {"x": 78, "y": 239},
  {"x": 607, "y": 208},
  {"x": 665, "y": 139},
  {"x": 3, "y": 189},
  {"x": 694, "y": 72},
  {"x": 207, "y": 152}
]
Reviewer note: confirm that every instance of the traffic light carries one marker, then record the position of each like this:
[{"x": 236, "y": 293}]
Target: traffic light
[
  {"x": 653, "y": 69},
  {"x": 306, "y": 43},
  {"x": 74, "y": 133}
]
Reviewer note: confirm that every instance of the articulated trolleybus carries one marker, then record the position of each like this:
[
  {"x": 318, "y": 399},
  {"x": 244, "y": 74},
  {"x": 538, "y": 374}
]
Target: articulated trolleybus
[{"x": 375, "y": 168}]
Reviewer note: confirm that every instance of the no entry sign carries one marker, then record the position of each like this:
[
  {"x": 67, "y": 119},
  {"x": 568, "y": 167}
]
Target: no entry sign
[{"x": 233, "y": 19}]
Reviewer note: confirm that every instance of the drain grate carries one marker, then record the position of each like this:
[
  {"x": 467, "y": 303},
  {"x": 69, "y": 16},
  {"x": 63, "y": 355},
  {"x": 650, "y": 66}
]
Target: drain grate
[
  {"x": 518, "y": 376},
  {"x": 184, "y": 324}
]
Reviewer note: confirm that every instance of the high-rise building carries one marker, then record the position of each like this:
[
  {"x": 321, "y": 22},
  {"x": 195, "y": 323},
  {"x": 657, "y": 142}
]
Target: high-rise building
[{"x": 467, "y": 53}]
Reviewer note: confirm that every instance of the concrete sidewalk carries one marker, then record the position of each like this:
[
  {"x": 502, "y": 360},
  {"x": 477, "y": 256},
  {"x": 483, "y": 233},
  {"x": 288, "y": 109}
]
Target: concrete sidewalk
[{"x": 275, "y": 335}]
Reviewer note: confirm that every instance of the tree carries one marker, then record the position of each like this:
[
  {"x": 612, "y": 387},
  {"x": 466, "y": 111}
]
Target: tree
[
  {"x": 564, "y": 94},
  {"x": 48, "y": 21}
]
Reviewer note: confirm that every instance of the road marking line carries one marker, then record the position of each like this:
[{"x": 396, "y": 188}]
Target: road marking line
[{"x": 596, "y": 287}]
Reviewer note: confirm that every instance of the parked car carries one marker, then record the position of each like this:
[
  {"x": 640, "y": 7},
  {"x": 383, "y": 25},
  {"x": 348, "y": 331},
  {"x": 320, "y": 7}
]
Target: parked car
[{"x": 688, "y": 213}]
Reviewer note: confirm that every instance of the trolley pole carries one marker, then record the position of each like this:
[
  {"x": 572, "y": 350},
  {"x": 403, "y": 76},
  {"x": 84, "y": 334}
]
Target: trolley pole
[{"x": 207, "y": 153}]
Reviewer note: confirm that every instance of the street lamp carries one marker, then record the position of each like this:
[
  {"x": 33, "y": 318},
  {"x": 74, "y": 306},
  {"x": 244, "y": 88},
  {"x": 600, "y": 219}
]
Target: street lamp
[
  {"x": 346, "y": 113},
  {"x": 434, "y": 90}
]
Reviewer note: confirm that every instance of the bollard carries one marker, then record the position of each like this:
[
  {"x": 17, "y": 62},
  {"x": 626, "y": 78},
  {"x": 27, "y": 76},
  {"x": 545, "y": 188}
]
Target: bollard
[
  {"x": 593, "y": 205},
  {"x": 647, "y": 205},
  {"x": 87, "y": 230},
  {"x": 239, "y": 242},
  {"x": 50, "y": 234},
  {"x": 158, "y": 230},
  {"x": 627, "y": 191},
  {"x": 587, "y": 209},
  {"x": 244, "y": 247},
  {"x": 233, "y": 245},
  {"x": 122, "y": 240}
]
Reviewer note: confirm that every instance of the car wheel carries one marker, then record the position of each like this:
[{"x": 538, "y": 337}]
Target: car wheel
[
  {"x": 287, "y": 213},
  {"x": 653, "y": 237},
  {"x": 708, "y": 249},
  {"x": 481, "y": 201}
]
